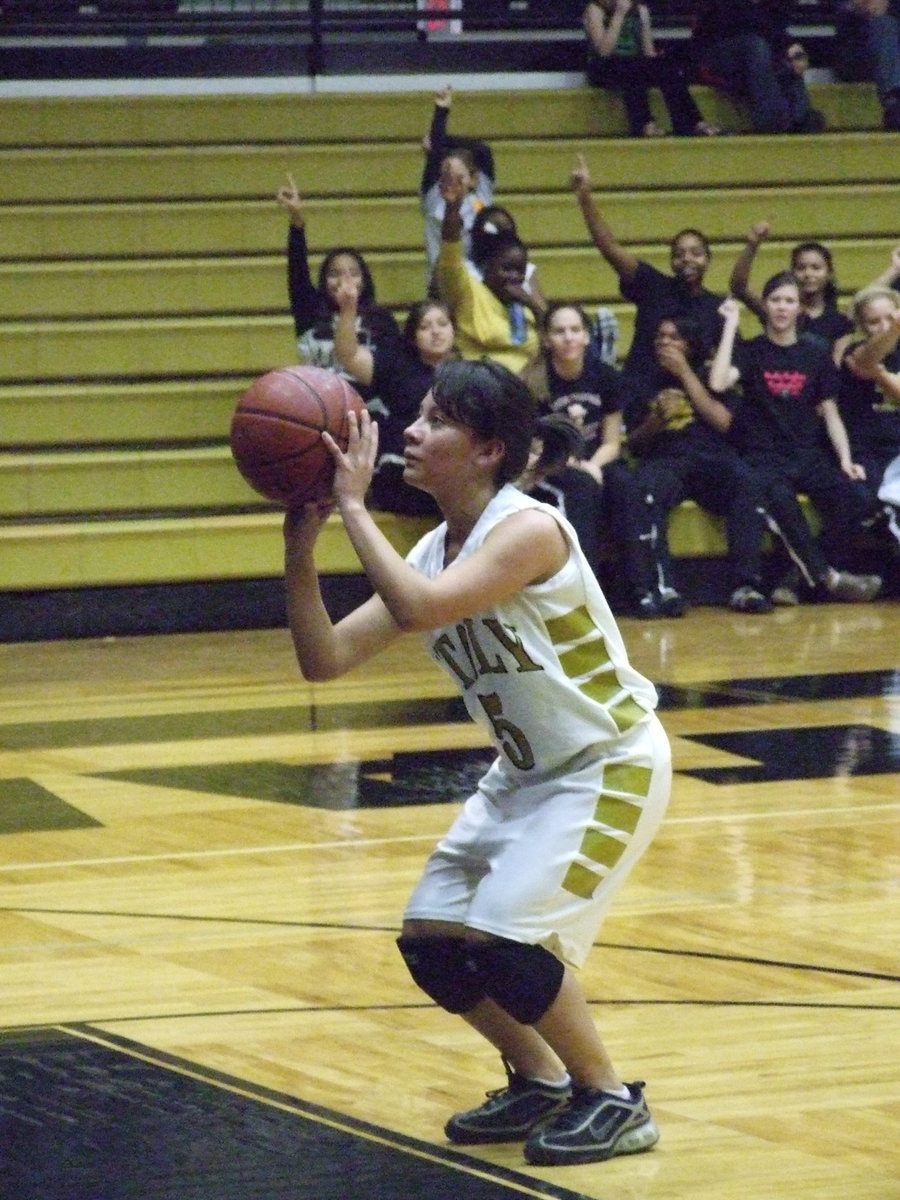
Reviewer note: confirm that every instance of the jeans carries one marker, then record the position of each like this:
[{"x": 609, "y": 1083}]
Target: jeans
[
  {"x": 868, "y": 48},
  {"x": 718, "y": 481},
  {"x": 775, "y": 94},
  {"x": 634, "y": 76}
]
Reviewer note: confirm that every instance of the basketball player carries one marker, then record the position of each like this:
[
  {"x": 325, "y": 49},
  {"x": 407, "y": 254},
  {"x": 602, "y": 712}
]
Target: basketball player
[{"x": 513, "y": 896}]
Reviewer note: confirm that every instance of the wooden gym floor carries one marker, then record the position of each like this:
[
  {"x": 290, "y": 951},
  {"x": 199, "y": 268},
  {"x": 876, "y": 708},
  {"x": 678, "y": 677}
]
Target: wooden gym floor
[{"x": 203, "y": 865}]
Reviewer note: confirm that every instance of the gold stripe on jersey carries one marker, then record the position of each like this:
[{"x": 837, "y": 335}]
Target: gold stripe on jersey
[
  {"x": 590, "y": 658},
  {"x": 580, "y": 881},
  {"x": 571, "y": 626},
  {"x": 628, "y": 778},
  {"x": 616, "y": 813},
  {"x": 626, "y": 714}
]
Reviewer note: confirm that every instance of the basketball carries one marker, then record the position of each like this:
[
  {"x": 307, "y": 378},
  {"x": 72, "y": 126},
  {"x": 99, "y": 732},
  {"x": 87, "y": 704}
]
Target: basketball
[{"x": 277, "y": 427}]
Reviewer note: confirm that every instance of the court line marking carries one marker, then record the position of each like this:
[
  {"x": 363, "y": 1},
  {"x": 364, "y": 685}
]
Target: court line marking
[
  {"x": 365, "y": 843},
  {"x": 450, "y": 1157}
]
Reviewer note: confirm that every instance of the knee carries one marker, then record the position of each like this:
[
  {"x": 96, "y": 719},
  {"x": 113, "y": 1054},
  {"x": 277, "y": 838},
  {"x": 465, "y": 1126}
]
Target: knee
[
  {"x": 523, "y": 980},
  {"x": 439, "y": 965}
]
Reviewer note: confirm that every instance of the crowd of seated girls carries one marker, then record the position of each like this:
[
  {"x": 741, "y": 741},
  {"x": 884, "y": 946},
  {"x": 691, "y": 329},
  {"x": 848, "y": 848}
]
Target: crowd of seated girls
[{"x": 742, "y": 426}]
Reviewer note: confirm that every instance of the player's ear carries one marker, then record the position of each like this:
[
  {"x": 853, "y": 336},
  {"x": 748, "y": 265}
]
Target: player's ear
[{"x": 491, "y": 452}]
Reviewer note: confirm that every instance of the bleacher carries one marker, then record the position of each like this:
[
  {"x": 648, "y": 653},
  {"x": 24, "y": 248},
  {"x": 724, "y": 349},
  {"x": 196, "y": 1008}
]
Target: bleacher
[{"x": 144, "y": 288}]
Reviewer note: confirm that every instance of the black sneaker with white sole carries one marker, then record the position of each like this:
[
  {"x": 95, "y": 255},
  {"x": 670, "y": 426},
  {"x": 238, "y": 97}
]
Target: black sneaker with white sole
[
  {"x": 508, "y": 1114},
  {"x": 593, "y": 1127}
]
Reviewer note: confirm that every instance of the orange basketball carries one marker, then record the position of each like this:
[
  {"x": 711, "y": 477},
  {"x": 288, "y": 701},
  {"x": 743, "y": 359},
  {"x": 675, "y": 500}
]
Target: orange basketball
[{"x": 276, "y": 432}]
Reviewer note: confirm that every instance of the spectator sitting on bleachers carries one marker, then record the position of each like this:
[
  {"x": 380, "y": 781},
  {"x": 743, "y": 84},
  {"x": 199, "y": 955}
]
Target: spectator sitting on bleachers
[
  {"x": 400, "y": 374},
  {"x": 490, "y": 221},
  {"x": 867, "y": 47},
  {"x": 569, "y": 379},
  {"x": 869, "y": 383},
  {"x": 495, "y": 316},
  {"x": 743, "y": 46},
  {"x": 787, "y": 399},
  {"x": 655, "y": 294},
  {"x": 468, "y": 160},
  {"x": 677, "y": 432},
  {"x": 813, "y": 266},
  {"x": 314, "y": 307},
  {"x": 622, "y": 56}
]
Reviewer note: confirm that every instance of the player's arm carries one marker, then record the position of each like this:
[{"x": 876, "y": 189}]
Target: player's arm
[
  {"x": 840, "y": 442},
  {"x": 866, "y": 361},
  {"x": 723, "y": 374},
  {"x": 357, "y": 360},
  {"x": 739, "y": 283},
  {"x": 325, "y": 650},
  {"x": 622, "y": 261},
  {"x": 526, "y": 547}
]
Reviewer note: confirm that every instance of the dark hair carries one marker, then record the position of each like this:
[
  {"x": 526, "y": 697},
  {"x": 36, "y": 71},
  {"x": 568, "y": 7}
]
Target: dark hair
[
  {"x": 464, "y": 154},
  {"x": 367, "y": 292},
  {"x": 494, "y": 244},
  {"x": 416, "y": 312},
  {"x": 701, "y": 237},
  {"x": 481, "y": 234},
  {"x": 831, "y": 288},
  {"x": 782, "y": 279},
  {"x": 557, "y": 306},
  {"x": 492, "y": 402},
  {"x": 688, "y": 329},
  {"x": 561, "y": 439}
]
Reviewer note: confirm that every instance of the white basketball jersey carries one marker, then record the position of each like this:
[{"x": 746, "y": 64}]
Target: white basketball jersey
[{"x": 546, "y": 671}]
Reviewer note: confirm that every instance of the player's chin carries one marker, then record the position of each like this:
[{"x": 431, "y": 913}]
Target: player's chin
[{"x": 413, "y": 476}]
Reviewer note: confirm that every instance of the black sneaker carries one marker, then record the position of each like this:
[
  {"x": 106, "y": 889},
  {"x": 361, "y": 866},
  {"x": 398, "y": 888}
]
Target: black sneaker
[
  {"x": 593, "y": 1127},
  {"x": 672, "y": 603},
  {"x": 747, "y": 599},
  {"x": 647, "y": 606},
  {"x": 852, "y": 589},
  {"x": 509, "y": 1113}
]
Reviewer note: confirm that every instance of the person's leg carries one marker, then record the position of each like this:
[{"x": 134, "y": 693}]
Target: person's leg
[
  {"x": 842, "y": 505},
  {"x": 882, "y": 44},
  {"x": 725, "y": 485},
  {"x": 626, "y": 77},
  {"x": 657, "y": 487},
  {"x": 802, "y": 117},
  {"x": 668, "y": 76},
  {"x": 745, "y": 66}
]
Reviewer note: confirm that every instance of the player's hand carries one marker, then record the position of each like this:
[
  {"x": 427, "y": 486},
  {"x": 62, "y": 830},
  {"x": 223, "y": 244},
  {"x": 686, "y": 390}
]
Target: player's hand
[
  {"x": 581, "y": 176},
  {"x": 301, "y": 527},
  {"x": 730, "y": 310},
  {"x": 355, "y": 466},
  {"x": 346, "y": 295},
  {"x": 759, "y": 231},
  {"x": 288, "y": 197},
  {"x": 673, "y": 360},
  {"x": 443, "y": 97}
]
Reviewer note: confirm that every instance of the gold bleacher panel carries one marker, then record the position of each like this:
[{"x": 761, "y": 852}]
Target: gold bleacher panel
[
  {"x": 142, "y": 282},
  {"x": 337, "y": 117}
]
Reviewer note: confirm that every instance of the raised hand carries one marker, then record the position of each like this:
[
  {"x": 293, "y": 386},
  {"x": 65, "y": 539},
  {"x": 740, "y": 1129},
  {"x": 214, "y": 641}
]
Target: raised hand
[{"x": 355, "y": 466}]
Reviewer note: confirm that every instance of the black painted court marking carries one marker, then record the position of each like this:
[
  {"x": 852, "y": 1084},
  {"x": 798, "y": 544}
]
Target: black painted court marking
[
  {"x": 303, "y": 717},
  {"x": 227, "y": 723},
  {"x": 86, "y": 1115},
  {"x": 775, "y": 689},
  {"x": 822, "y": 752},
  {"x": 420, "y": 777}
]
